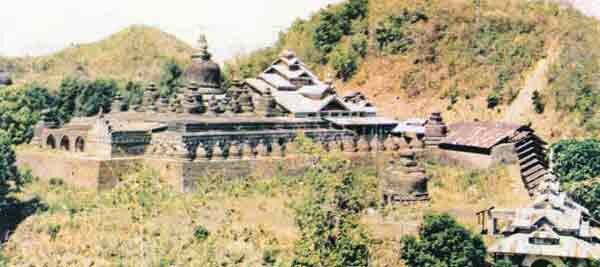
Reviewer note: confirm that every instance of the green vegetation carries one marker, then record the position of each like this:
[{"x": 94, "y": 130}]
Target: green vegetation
[
  {"x": 443, "y": 242},
  {"x": 538, "y": 104},
  {"x": 575, "y": 160},
  {"x": 574, "y": 86},
  {"x": 78, "y": 97},
  {"x": 588, "y": 195},
  {"x": 328, "y": 219},
  {"x": 391, "y": 33},
  {"x": 20, "y": 109},
  {"x": 577, "y": 164},
  {"x": 170, "y": 78}
]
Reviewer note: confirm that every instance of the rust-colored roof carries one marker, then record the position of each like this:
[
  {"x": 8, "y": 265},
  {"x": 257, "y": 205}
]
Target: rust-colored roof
[{"x": 480, "y": 134}]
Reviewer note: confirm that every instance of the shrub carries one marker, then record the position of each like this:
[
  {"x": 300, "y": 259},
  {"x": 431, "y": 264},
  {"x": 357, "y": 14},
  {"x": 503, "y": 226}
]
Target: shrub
[
  {"x": 588, "y": 195},
  {"x": 53, "y": 231},
  {"x": 201, "y": 233},
  {"x": 269, "y": 257},
  {"x": 328, "y": 220},
  {"x": 493, "y": 100},
  {"x": 391, "y": 34},
  {"x": 170, "y": 78},
  {"x": 328, "y": 32},
  {"x": 10, "y": 181},
  {"x": 538, "y": 104},
  {"x": 56, "y": 182},
  {"x": 360, "y": 44},
  {"x": 344, "y": 63},
  {"x": 355, "y": 9},
  {"x": 85, "y": 98},
  {"x": 20, "y": 110},
  {"x": 575, "y": 160},
  {"x": 443, "y": 242}
]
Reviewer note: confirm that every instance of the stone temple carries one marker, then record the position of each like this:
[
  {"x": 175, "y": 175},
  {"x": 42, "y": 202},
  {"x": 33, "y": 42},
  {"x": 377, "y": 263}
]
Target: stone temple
[{"x": 207, "y": 129}]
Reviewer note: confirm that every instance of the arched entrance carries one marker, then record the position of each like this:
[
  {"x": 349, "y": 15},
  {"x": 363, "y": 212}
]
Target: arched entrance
[
  {"x": 79, "y": 144},
  {"x": 64, "y": 143},
  {"x": 50, "y": 142},
  {"x": 542, "y": 263}
]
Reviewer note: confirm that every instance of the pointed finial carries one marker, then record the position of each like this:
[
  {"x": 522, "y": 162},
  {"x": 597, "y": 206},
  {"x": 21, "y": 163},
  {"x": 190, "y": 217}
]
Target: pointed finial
[{"x": 203, "y": 47}]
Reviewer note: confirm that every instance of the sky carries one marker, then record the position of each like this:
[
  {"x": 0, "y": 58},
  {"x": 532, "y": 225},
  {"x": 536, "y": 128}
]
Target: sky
[{"x": 39, "y": 27}]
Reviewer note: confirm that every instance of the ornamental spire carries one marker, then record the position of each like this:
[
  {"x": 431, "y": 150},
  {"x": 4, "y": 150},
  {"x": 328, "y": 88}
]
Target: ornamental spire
[{"x": 203, "y": 48}]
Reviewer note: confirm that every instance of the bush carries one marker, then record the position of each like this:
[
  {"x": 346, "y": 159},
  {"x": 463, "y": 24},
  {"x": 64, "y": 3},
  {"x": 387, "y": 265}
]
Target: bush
[
  {"x": 201, "y": 233},
  {"x": 360, "y": 44},
  {"x": 391, "y": 34},
  {"x": 538, "y": 104},
  {"x": 53, "y": 231},
  {"x": 328, "y": 220},
  {"x": 575, "y": 160},
  {"x": 587, "y": 194},
  {"x": 85, "y": 98},
  {"x": 56, "y": 182},
  {"x": 344, "y": 63},
  {"x": 328, "y": 32},
  {"x": 493, "y": 100},
  {"x": 10, "y": 181},
  {"x": 170, "y": 78},
  {"x": 20, "y": 110},
  {"x": 443, "y": 242}
]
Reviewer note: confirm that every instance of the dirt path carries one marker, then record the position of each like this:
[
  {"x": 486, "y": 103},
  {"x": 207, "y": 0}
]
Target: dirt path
[{"x": 521, "y": 109}]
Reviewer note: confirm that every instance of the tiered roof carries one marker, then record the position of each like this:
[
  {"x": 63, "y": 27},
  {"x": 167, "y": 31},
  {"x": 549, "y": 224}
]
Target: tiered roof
[
  {"x": 554, "y": 225},
  {"x": 297, "y": 90}
]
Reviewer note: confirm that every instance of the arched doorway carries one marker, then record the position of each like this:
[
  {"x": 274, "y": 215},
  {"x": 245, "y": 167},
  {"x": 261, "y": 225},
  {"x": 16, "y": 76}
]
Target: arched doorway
[
  {"x": 79, "y": 144},
  {"x": 542, "y": 263},
  {"x": 64, "y": 143},
  {"x": 50, "y": 142}
]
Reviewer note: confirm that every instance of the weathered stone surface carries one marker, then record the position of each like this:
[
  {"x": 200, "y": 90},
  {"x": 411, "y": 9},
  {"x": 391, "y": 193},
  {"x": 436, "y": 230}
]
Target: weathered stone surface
[{"x": 403, "y": 180}]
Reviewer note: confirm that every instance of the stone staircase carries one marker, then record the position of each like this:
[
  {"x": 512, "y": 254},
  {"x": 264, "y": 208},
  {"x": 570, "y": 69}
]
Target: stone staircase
[{"x": 532, "y": 160}]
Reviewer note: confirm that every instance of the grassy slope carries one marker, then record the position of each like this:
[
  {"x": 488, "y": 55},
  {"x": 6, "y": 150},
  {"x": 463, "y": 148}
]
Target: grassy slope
[
  {"x": 244, "y": 219},
  {"x": 470, "y": 63},
  {"x": 135, "y": 53}
]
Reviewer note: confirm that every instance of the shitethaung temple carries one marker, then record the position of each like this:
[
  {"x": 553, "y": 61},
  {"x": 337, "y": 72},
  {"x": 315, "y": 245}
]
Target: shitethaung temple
[
  {"x": 251, "y": 128},
  {"x": 207, "y": 124}
]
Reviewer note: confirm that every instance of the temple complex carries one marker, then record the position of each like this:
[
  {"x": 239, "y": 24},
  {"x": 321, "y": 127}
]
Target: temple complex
[{"x": 206, "y": 127}]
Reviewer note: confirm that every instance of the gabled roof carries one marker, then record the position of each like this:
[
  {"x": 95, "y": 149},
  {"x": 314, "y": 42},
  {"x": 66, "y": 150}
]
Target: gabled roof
[{"x": 480, "y": 134}]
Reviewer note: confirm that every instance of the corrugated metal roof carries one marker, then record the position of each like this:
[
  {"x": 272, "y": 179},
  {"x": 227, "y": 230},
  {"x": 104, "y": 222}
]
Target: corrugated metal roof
[
  {"x": 259, "y": 85},
  {"x": 277, "y": 81},
  {"x": 480, "y": 134},
  {"x": 568, "y": 247},
  {"x": 313, "y": 91},
  {"x": 361, "y": 121},
  {"x": 411, "y": 126}
]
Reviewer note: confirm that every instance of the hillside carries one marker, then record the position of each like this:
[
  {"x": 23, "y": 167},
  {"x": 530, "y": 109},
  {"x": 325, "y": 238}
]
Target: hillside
[
  {"x": 469, "y": 61},
  {"x": 135, "y": 53},
  {"x": 250, "y": 222}
]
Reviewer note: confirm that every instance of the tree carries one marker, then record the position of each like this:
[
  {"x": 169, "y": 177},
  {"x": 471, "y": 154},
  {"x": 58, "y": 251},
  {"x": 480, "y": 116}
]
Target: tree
[
  {"x": 170, "y": 78},
  {"x": 345, "y": 63},
  {"x": 355, "y": 9},
  {"x": 20, "y": 109},
  {"x": 588, "y": 195},
  {"x": 329, "y": 32},
  {"x": 84, "y": 98},
  {"x": 10, "y": 180},
  {"x": 328, "y": 220},
  {"x": 575, "y": 160},
  {"x": 442, "y": 242}
]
